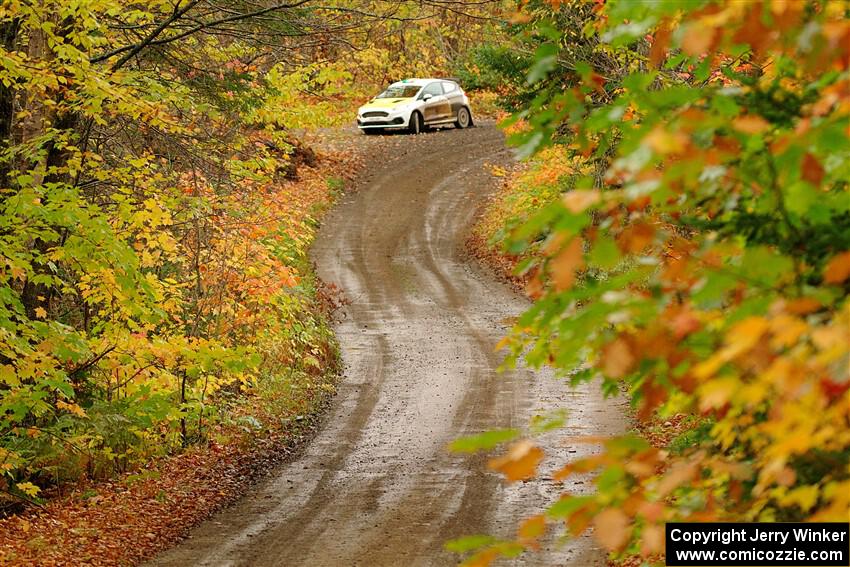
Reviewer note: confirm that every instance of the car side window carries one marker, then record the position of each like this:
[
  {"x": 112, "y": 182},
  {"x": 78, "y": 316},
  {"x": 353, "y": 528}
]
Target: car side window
[
  {"x": 449, "y": 87},
  {"x": 433, "y": 89}
]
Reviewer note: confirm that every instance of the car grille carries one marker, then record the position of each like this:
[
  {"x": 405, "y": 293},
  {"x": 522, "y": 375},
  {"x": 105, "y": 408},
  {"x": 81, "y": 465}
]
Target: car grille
[
  {"x": 374, "y": 114},
  {"x": 394, "y": 122}
]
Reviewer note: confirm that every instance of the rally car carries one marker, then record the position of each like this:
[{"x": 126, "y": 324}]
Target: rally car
[{"x": 415, "y": 104}]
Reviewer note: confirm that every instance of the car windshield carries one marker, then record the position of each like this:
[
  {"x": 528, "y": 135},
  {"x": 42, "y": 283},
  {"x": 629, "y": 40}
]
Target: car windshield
[{"x": 400, "y": 91}]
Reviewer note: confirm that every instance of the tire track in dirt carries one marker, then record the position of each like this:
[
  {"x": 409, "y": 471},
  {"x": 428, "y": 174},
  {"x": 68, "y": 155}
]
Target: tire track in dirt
[{"x": 376, "y": 486}]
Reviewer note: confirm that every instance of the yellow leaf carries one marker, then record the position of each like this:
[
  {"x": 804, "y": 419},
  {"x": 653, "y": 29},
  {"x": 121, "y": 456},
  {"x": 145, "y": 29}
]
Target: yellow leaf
[
  {"x": 744, "y": 335},
  {"x": 503, "y": 342},
  {"x": 786, "y": 330},
  {"x": 664, "y": 142},
  {"x": 803, "y": 496},
  {"x": 795, "y": 442},
  {"x": 40, "y": 312},
  {"x": 28, "y": 488},
  {"x": 71, "y": 408},
  {"x": 716, "y": 393},
  {"x": 520, "y": 462}
]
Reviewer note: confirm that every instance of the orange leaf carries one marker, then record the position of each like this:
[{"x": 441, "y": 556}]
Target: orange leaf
[
  {"x": 612, "y": 528},
  {"x": 812, "y": 170},
  {"x": 534, "y": 288},
  {"x": 652, "y": 540},
  {"x": 652, "y": 511},
  {"x": 698, "y": 38},
  {"x": 678, "y": 475},
  {"x": 580, "y": 466},
  {"x": 563, "y": 267},
  {"x": 745, "y": 334},
  {"x": 520, "y": 462},
  {"x": 520, "y": 18},
  {"x": 652, "y": 396},
  {"x": 617, "y": 358},
  {"x": 636, "y": 237},
  {"x": 532, "y": 529},
  {"x": 838, "y": 269},
  {"x": 578, "y": 200},
  {"x": 660, "y": 40},
  {"x": 482, "y": 559},
  {"x": 803, "y": 306},
  {"x": 750, "y": 124},
  {"x": 664, "y": 142}
]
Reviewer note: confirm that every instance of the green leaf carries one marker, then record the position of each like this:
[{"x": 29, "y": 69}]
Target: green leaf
[
  {"x": 486, "y": 440},
  {"x": 564, "y": 507},
  {"x": 605, "y": 253},
  {"x": 545, "y": 60},
  {"x": 469, "y": 543}
]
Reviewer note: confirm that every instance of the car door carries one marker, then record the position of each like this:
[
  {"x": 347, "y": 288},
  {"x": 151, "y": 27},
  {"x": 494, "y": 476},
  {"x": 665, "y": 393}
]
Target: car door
[
  {"x": 436, "y": 106},
  {"x": 454, "y": 97}
]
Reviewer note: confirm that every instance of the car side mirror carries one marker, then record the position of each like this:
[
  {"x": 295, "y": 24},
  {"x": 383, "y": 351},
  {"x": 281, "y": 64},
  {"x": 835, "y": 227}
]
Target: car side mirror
[{"x": 427, "y": 96}]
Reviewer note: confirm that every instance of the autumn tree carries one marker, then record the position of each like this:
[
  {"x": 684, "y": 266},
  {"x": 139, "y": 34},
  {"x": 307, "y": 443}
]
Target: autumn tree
[
  {"x": 696, "y": 256},
  {"x": 154, "y": 243}
]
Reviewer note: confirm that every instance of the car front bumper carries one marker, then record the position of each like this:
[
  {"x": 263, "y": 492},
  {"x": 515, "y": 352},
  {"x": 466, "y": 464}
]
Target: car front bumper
[{"x": 396, "y": 122}]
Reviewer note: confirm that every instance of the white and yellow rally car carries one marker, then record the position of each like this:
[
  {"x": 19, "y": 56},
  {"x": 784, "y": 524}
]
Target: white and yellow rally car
[{"x": 415, "y": 104}]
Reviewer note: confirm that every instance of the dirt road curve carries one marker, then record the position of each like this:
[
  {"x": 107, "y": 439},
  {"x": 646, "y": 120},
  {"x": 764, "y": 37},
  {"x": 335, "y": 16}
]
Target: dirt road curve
[{"x": 376, "y": 486}]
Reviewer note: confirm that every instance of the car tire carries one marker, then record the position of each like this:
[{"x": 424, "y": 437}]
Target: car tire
[
  {"x": 417, "y": 123},
  {"x": 373, "y": 131},
  {"x": 464, "y": 118}
]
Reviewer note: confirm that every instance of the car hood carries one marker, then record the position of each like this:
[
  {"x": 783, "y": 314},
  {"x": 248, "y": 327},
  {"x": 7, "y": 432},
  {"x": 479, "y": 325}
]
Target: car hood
[{"x": 385, "y": 103}]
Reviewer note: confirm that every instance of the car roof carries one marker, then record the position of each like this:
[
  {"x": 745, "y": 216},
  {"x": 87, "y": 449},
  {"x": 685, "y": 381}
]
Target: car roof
[{"x": 419, "y": 82}]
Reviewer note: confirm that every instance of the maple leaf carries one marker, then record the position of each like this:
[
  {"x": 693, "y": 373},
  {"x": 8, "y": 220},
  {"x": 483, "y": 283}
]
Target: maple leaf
[
  {"x": 698, "y": 38},
  {"x": 28, "y": 488},
  {"x": 563, "y": 266},
  {"x": 520, "y": 462},
  {"x": 652, "y": 540},
  {"x": 636, "y": 237},
  {"x": 532, "y": 529},
  {"x": 837, "y": 269},
  {"x": 617, "y": 359},
  {"x": 660, "y": 41},
  {"x": 612, "y": 528},
  {"x": 812, "y": 170},
  {"x": 750, "y": 124},
  {"x": 577, "y": 200}
]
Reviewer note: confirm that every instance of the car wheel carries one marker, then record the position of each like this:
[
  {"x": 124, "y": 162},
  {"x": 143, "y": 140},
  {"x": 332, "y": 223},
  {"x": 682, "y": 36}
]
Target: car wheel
[
  {"x": 417, "y": 123},
  {"x": 463, "y": 118},
  {"x": 373, "y": 131}
]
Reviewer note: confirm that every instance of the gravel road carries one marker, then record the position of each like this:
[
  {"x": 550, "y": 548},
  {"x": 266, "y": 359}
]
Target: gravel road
[{"x": 376, "y": 486}]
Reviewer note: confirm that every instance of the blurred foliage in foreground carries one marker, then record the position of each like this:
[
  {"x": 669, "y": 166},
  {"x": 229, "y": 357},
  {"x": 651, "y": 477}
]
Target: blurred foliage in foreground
[{"x": 685, "y": 231}]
